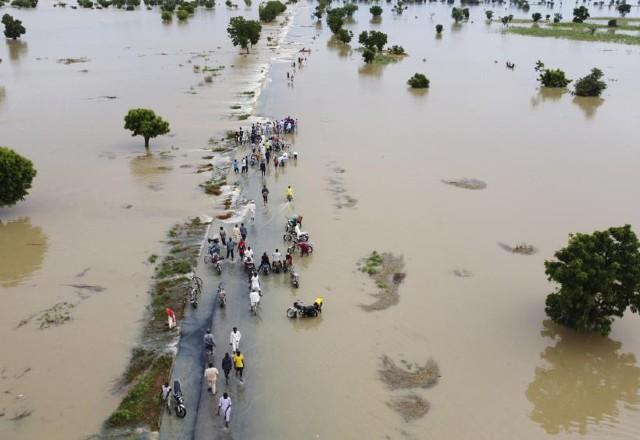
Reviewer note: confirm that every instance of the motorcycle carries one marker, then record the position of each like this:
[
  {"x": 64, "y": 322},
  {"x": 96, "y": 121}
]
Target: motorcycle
[
  {"x": 194, "y": 292},
  {"x": 249, "y": 267},
  {"x": 214, "y": 259},
  {"x": 299, "y": 310},
  {"x": 301, "y": 245},
  {"x": 265, "y": 269},
  {"x": 178, "y": 400},
  {"x": 276, "y": 266},
  {"x": 291, "y": 236},
  {"x": 295, "y": 278},
  {"x": 222, "y": 296}
]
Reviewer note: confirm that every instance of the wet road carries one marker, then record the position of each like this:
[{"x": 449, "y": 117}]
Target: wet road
[{"x": 265, "y": 234}]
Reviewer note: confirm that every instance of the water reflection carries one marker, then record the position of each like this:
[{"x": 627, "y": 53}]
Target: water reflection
[
  {"x": 583, "y": 383},
  {"x": 588, "y": 105},
  {"x": 549, "y": 94},
  {"x": 150, "y": 165},
  {"x": 335, "y": 45},
  {"x": 371, "y": 69},
  {"x": 17, "y": 49},
  {"x": 22, "y": 250}
]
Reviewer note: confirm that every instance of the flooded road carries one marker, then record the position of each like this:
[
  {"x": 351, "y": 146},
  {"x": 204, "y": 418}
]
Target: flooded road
[
  {"x": 99, "y": 206},
  {"x": 372, "y": 157}
]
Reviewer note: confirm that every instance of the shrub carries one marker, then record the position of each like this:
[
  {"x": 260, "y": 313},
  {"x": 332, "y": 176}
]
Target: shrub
[
  {"x": 590, "y": 85},
  {"x": 551, "y": 77},
  {"x": 376, "y": 11},
  {"x": 418, "y": 81},
  {"x": 166, "y": 15},
  {"x": 612, "y": 23},
  {"x": 397, "y": 50},
  {"x": 344, "y": 36},
  {"x": 536, "y": 17},
  {"x": 182, "y": 14},
  {"x": 16, "y": 175},
  {"x": 368, "y": 55},
  {"x": 489, "y": 15},
  {"x": 580, "y": 14},
  {"x": 12, "y": 28},
  {"x": 439, "y": 29}
]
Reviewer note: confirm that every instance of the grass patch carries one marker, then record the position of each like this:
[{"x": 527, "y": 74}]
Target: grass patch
[
  {"x": 586, "y": 26},
  {"x": 410, "y": 407},
  {"x": 141, "y": 358},
  {"x": 387, "y": 58},
  {"x": 249, "y": 93},
  {"x": 142, "y": 405},
  {"x": 224, "y": 216},
  {"x": 620, "y": 20},
  {"x": 575, "y": 34},
  {"x": 243, "y": 117},
  {"x": 171, "y": 266},
  {"x": 236, "y": 107}
]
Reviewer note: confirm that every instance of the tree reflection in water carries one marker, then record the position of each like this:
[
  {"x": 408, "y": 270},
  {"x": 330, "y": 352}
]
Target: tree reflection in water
[{"x": 584, "y": 381}]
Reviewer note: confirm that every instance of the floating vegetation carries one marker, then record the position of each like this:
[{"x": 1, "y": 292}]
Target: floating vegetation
[
  {"x": 522, "y": 248},
  {"x": 54, "y": 316},
  {"x": 336, "y": 186},
  {"x": 410, "y": 407},
  {"x": 574, "y": 33},
  {"x": 466, "y": 183},
  {"x": 386, "y": 270},
  {"x": 73, "y": 60},
  {"x": 462, "y": 273},
  {"x": 416, "y": 376}
]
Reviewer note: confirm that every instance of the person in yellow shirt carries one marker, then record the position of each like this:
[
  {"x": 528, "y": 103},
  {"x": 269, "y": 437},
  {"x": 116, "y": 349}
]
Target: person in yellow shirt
[
  {"x": 289, "y": 193},
  {"x": 238, "y": 363}
]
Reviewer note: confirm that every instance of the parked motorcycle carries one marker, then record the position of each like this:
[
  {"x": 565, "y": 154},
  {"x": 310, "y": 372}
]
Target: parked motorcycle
[
  {"x": 214, "y": 259},
  {"x": 178, "y": 400},
  {"x": 222, "y": 296},
  {"x": 291, "y": 236},
  {"x": 195, "y": 289},
  {"x": 299, "y": 310}
]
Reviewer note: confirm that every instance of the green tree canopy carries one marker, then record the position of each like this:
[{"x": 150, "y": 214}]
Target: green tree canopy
[
  {"x": 16, "y": 175},
  {"x": 335, "y": 22},
  {"x": 375, "y": 10},
  {"x": 591, "y": 85},
  {"x": 144, "y": 122},
  {"x": 551, "y": 77},
  {"x": 12, "y": 28},
  {"x": 580, "y": 14},
  {"x": 270, "y": 10},
  {"x": 244, "y": 32},
  {"x": 599, "y": 277},
  {"x": 418, "y": 81},
  {"x": 373, "y": 39},
  {"x": 344, "y": 36},
  {"x": 457, "y": 15}
]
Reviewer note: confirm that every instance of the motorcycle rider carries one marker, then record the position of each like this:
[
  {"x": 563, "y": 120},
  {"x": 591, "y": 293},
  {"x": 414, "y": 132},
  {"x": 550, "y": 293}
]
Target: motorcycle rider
[
  {"x": 264, "y": 262},
  {"x": 254, "y": 299},
  {"x": 298, "y": 231},
  {"x": 249, "y": 253},
  {"x": 276, "y": 257},
  {"x": 255, "y": 282},
  {"x": 214, "y": 248}
]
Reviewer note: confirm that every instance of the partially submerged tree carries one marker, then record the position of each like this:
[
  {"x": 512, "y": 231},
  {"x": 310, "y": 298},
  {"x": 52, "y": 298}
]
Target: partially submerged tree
[
  {"x": 590, "y": 85},
  {"x": 270, "y": 10},
  {"x": 335, "y": 20},
  {"x": 489, "y": 15},
  {"x": 349, "y": 9},
  {"x": 373, "y": 39},
  {"x": 624, "y": 9},
  {"x": 599, "y": 277},
  {"x": 244, "y": 32},
  {"x": 557, "y": 17},
  {"x": 418, "y": 81},
  {"x": 12, "y": 28},
  {"x": 439, "y": 29},
  {"x": 375, "y": 10},
  {"x": 368, "y": 55},
  {"x": 16, "y": 175},
  {"x": 344, "y": 36},
  {"x": 580, "y": 14},
  {"x": 144, "y": 122},
  {"x": 536, "y": 16},
  {"x": 457, "y": 15},
  {"x": 551, "y": 77}
]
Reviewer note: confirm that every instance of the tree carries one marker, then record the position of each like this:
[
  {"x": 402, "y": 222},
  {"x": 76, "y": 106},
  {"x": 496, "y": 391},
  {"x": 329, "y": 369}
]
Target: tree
[
  {"x": 12, "y": 28},
  {"x": 624, "y": 9},
  {"x": 536, "y": 16},
  {"x": 580, "y": 14},
  {"x": 335, "y": 22},
  {"x": 144, "y": 122},
  {"x": 349, "y": 9},
  {"x": 270, "y": 10},
  {"x": 418, "y": 81},
  {"x": 182, "y": 14},
  {"x": 590, "y": 85},
  {"x": 368, "y": 55},
  {"x": 557, "y": 17},
  {"x": 457, "y": 15},
  {"x": 489, "y": 15},
  {"x": 551, "y": 77},
  {"x": 166, "y": 15},
  {"x": 16, "y": 175},
  {"x": 244, "y": 32},
  {"x": 465, "y": 12},
  {"x": 373, "y": 40},
  {"x": 344, "y": 36},
  {"x": 612, "y": 23},
  {"x": 599, "y": 277},
  {"x": 376, "y": 11},
  {"x": 439, "y": 29}
]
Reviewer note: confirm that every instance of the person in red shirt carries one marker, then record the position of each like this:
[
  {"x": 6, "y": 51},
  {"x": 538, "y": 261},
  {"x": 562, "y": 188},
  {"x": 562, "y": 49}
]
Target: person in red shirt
[
  {"x": 241, "y": 248},
  {"x": 171, "y": 318}
]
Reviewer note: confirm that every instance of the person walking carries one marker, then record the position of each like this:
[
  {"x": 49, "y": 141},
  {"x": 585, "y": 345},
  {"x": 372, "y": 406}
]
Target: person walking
[
  {"x": 226, "y": 367},
  {"x": 263, "y": 168},
  {"x": 223, "y": 235},
  {"x": 236, "y": 167},
  {"x": 239, "y": 364},
  {"x": 243, "y": 231},
  {"x": 211, "y": 374},
  {"x": 234, "y": 339},
  {"x": 236, "y": 234},
  {"x": 171, "y": 318},
  {"x": 230, "y": 245},
  {"x": 241, "y": 248},
  {"x": 265, "y": 194},
  {"x": 224, "y": 407}
]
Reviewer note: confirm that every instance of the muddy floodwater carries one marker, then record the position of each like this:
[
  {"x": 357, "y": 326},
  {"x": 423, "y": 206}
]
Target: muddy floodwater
[{"x": 373, "y": 158}]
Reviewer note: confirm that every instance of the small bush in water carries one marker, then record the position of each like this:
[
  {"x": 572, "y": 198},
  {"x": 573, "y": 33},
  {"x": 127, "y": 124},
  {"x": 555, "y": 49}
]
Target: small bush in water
[
  {"x": 418, "y": 81},
  {"x": 591, "y": 85}
]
